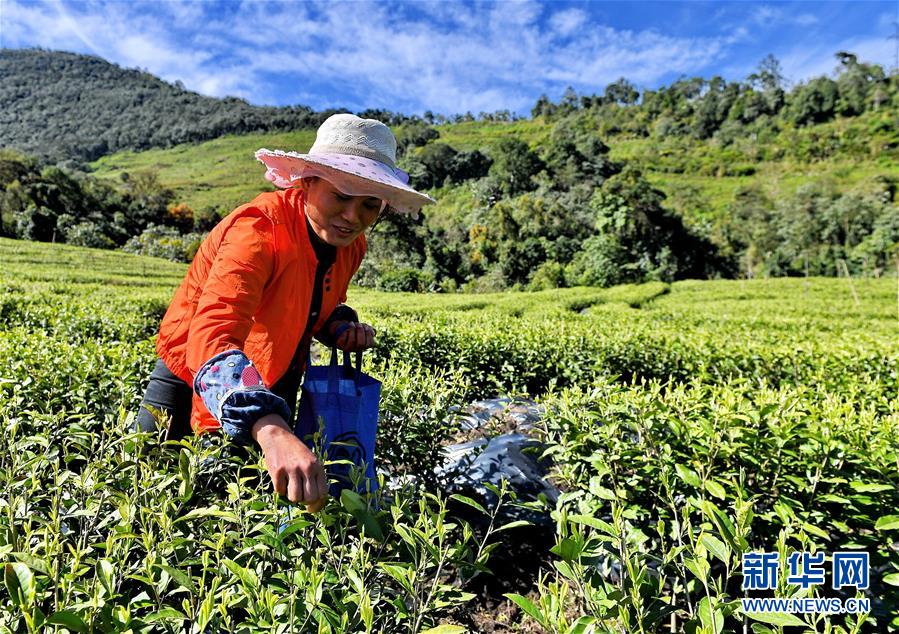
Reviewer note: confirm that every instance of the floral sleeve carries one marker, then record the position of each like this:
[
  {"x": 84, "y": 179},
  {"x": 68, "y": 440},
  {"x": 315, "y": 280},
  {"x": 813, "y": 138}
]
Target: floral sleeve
[{"x": 235, "y": 395}]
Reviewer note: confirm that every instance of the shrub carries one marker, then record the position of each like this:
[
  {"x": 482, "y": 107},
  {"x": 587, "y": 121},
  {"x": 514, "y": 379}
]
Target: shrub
[
  {"x": 601, "y": 262},
  {"x": 180, "y": 216},
  {"x": 548, "y": 275},
  {"x": 405, "y": 280},
  {"x": 165, "y": 242},
  {"x": 88, "y": 234}
]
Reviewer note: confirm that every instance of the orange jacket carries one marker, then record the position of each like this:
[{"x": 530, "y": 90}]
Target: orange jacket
[{"x": 249, "y": 287}]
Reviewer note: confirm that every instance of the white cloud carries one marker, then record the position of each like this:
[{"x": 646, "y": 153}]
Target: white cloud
[
  {"x": 445, "y": 57},
  {"x": 764, "y": 15},
  {"x": 131, "y": 36},
  {"x": 567, "y": 21},
  {"x": 804, "y": 62},
  {"x": 768, "y": 16}
]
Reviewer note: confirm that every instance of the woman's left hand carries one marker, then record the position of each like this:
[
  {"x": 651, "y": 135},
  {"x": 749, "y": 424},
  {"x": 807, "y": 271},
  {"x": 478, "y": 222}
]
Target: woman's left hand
[{"x": 356, "y": 337}]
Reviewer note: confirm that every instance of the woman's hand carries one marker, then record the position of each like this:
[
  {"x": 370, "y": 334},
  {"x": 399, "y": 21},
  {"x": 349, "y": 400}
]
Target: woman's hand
[
  {"x": 296, "y": 472},
  {"x": 356, "y": 337}
]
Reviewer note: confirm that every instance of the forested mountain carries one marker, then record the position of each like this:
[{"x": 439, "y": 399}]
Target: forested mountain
[
  {"x": 702, "y": 178},
  {"x": 61, "y": 106}
]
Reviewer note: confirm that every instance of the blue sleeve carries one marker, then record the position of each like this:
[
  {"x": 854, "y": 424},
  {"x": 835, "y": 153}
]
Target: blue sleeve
[{"x": 233, "y": 392}]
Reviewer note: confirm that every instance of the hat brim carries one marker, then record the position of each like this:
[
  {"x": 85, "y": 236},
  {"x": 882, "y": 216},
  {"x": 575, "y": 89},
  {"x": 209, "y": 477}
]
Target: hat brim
[{"x": 369, "y": 177}]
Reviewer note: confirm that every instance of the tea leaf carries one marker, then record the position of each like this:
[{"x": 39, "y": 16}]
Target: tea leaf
[
  {"x": 525, "y": 604},
  {"x": 20, "y": 583},
  {"x": 715, "y": 489},
  {"x": 869, "y": 487},
  {"x": 357, "y": 507},
  {"x": 814, "y": 530},
  {"x": 716, "y": 547},
  {"x": 446, "y": 629},
  {"x": 582, "y": 626},
  {"x": 707, "y": 616},
  {"x": 464, "y": 499},
  {"x": 247, "y": 577},
  {"x": 68, "y": 619},
  {"x": 698, "y": 567},
  {"x": 568, "y": 549},
  {"x": 211, "y": 511},
  {"x": 401, "y": 573},
  {"x": 688, "y": 475},
  {"x": 352, "y": 501},
  {"x": 780, "y": 619},
  {"x": 887, "y": 523},
  {"x": 595, "y": 522},
  {"x": 179, "y": 576},
  {"x": 106, "y": 575},
  {"x": 165, "y": 613},
  {"x": 514, "y": 524}
]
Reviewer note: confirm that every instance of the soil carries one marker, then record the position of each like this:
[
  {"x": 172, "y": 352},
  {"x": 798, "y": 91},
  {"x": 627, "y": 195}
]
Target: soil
[{"x": 516, "y": 565}]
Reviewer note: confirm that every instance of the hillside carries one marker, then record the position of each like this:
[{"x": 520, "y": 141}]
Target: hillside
[
  {"x": 699, "y": 177},
  {"x": 59, "y": 106},
  {"x": 702, "y": 178}
]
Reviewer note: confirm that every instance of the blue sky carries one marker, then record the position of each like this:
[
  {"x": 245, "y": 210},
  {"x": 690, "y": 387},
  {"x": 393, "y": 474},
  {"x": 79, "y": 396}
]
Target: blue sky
[{"x": 448, "y": 57}]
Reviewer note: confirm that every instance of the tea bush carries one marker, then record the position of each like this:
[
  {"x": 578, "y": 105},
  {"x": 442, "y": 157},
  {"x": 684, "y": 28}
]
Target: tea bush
[
  {"x": 687, "y": 423},
  {"x": 668, "y": 485}
]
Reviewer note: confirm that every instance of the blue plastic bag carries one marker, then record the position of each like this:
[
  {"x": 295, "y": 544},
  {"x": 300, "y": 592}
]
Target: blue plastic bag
[{"x": 347, "y": 401}]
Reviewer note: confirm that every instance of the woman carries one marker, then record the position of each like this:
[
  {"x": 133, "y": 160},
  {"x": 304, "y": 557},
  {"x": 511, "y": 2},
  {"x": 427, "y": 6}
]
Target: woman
[{"x": 271, "y": 275}]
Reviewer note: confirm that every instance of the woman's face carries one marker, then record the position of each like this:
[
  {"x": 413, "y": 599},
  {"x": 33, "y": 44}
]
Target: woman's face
[{"x": 336, "y": 218}]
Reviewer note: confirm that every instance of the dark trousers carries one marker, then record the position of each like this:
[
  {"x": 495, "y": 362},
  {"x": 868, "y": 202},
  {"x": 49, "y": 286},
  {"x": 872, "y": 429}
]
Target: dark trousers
[{"x": 167, "y": 392}]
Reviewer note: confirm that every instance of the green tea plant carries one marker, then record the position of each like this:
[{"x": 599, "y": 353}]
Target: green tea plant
[
  {"x": 669, "y": 484},
  {"x": 104, "y": 530},
  {"x": 687, "y": 424}
]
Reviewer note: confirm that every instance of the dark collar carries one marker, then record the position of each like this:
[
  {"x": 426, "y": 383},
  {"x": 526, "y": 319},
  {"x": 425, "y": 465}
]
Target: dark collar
[{"x": 324, "y": 252}]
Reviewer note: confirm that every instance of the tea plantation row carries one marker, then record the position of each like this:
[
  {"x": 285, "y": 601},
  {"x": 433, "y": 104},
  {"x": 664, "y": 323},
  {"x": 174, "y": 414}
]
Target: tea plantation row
[{"x": 687, "y": 423}]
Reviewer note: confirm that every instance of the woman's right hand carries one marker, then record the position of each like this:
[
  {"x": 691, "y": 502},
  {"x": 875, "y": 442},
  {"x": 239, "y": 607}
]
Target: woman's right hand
[{"x": 296, "y": 472}]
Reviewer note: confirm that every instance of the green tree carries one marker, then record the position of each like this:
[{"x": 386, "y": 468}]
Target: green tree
[
  {"x": 543, "y": 108},
  {"x": 519, "y": 259},
  {"x": 514, "y": 166},
  {"x": 35, "y": 223},
  {"x": 814, "y": 101},
  {"x": 569, "y": 102},
  {"x": 468, "y": 165},
  {"x": 414, "y": 134},
  {"x": 768, "y": 80},
  {"x": 749, "y": 233},
  {"x": 15, "y": 166},
  {"x": 147, "y": 202},
  {"x": 707, "y": 117},
  {"x": 602, "y": 261},
  {"x": 574, "y": 156},
  {"x": 621, "y": 92},
  {"x": 800, "y": 228},
  {"x": 657, "y": 244},
  {"x": 88, "y": 234},
  {"x": 855, "y": 83},
  {"x": 436, "y": 161}
]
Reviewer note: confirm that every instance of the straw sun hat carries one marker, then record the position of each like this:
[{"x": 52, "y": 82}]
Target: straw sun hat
[{"x": 357, "y": 156}]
